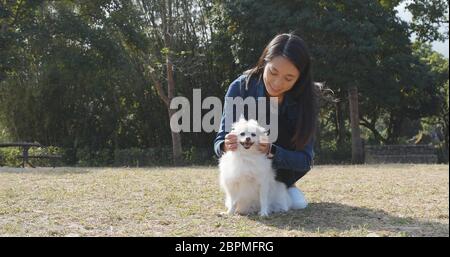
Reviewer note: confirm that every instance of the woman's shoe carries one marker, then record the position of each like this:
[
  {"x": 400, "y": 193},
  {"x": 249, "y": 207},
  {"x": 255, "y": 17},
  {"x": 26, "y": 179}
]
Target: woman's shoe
[{"x": 298, "y": 198}]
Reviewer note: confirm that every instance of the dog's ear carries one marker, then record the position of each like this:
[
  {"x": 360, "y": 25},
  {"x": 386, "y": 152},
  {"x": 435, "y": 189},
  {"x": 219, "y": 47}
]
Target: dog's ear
[
  {"x": 264, "y": 131},
  {"x": 264, "y": 136}
]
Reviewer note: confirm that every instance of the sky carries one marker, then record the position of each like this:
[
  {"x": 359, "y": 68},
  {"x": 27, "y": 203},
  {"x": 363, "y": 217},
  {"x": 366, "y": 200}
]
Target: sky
[{"x": 441, "y": 47}]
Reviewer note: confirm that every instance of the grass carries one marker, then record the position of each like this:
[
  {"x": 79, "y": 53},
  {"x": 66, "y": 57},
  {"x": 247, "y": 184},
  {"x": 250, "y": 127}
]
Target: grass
[{"x": 366, "y": 200}]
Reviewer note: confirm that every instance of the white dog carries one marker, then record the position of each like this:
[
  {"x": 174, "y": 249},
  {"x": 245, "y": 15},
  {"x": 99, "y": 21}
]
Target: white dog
[{"x": 247, "y": 177}]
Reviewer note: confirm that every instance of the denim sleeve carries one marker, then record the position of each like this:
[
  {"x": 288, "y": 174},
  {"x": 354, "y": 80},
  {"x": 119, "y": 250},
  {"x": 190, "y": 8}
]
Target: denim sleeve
[
  {"x": 233, "y": 91},
  {"x": 299, "y": 161}
]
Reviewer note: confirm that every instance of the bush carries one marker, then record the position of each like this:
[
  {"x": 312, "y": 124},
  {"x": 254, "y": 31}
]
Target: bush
[
  {"x": 9, "y": 156},
  {"x": 199, "y": 156},
  {"x": 93, "y": 158},
  {"x": 137, "y": 157},
  {"x": 131, "y": 157},
  {"x": 334, "y": 154}
]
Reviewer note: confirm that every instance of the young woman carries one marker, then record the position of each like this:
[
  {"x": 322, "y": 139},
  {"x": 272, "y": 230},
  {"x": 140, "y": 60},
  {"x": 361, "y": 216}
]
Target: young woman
[{"x": 283, "y": 71}]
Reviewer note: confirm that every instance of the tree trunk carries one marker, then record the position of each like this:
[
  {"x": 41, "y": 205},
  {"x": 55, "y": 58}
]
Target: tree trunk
[
  {"x": 317, "y": 145},
  {"x": 357, "y": 147},
  {"x": 340, "y": 124},
  {"x": 176, "y": 137},
  {"x": 176, "y": 145},
  {"x": 371, "y": 126},
  {"x": 394, "y": 127},
  {"x": 167, "y": 38}
]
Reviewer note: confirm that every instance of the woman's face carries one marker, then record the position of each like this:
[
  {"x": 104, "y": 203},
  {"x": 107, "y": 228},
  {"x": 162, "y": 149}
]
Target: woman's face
[{"x": 279, "y": 76}]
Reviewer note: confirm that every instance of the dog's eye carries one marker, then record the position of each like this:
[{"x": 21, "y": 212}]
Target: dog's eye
[
  {"x": 243, "y": 134},
  {"x": 253, "y": 135}
]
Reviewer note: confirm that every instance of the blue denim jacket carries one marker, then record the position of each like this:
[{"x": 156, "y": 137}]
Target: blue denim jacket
[{"x": 293, "y": 161}]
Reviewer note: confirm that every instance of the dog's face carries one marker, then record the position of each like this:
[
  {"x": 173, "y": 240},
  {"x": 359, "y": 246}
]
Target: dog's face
[{"x": 249, "y": 134}]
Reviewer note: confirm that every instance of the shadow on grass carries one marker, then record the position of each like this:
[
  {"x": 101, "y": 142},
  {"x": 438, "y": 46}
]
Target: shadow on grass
[{"x": 325, "y": 216}]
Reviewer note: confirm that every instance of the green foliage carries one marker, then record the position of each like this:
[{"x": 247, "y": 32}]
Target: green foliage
[
  {"x": 428, "y": 17},
  {"x": 196, "y": 155},
  {"x": 93, "y": 158},
  {"x": 333, "y": 153},
  {"x": 84, "y": 157},
  {"x": 138, "y": 157},
  {"x": 390, "y": 4},
  {"x": 86, "y": 91},
  {"x": 436, "y": 125},
  {"x": 4, "y": 135},
  {"x": 10, "y": 156}
]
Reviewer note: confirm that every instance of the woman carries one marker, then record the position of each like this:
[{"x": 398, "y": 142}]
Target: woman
[{"x": 283, "y": 71}]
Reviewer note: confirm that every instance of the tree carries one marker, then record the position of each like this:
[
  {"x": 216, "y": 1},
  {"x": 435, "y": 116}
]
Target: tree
[
  {"x": 438, "y": 121},
  {"x": 172, "y": 23},
  {"x": 75, "y": 84},
  {"x": 160, "y": 20},
  {"x": 428, "y": 16}
]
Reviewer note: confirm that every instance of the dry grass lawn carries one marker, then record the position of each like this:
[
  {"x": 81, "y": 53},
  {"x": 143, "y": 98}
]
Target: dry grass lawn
[{"x": 367, "y": 200}]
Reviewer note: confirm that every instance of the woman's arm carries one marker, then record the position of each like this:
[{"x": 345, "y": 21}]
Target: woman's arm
[
  {"x": 299, "y": 161},
  {"x": 233, "y": 91}
]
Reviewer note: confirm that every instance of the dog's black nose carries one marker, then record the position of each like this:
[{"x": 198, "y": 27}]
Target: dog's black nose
[{"x": 247, "y": 139}]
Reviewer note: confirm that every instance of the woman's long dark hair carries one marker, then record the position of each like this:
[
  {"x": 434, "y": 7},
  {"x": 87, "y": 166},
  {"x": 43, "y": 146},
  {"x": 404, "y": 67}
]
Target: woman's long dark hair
[{"x": 304, "y": 90}]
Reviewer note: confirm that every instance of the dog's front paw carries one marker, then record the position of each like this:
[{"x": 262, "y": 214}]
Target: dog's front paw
[
  {"x": 231, "y": 211},
  {"x": 222, "y": 214}
]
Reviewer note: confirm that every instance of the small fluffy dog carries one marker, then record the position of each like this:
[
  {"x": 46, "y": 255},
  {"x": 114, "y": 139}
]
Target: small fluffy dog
[{"x": 247, "y": 177}]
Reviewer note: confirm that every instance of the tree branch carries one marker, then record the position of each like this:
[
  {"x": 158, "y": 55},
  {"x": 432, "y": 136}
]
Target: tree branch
[
  {"x": 372, "y": 128},
  {"x": 159, "y": 89}
]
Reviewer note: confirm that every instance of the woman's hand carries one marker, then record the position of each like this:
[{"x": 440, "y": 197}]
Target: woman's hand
[
  {"x": 264, "y": 148},
  {"x": 230, "y": 143}
]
